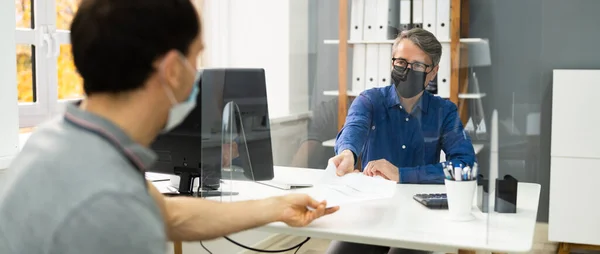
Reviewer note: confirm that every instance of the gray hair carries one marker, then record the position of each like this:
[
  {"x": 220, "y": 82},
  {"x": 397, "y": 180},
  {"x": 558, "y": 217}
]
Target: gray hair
[{"x": 425, "y": 40}]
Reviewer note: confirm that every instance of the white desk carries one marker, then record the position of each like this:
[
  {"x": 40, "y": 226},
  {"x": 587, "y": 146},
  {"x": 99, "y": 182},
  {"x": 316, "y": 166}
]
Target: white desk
[{"x": 402, "y": 222}]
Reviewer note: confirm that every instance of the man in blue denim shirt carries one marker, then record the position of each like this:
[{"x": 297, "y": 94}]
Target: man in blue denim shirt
[{"x": 398, "y": 131}]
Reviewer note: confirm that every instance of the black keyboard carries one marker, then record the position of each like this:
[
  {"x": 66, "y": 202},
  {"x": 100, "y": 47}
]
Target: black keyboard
[{"x": 432, "y": 200}]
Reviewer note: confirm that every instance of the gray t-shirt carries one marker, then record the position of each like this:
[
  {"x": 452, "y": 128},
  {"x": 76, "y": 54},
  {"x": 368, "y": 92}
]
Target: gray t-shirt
[{"x": 72, "y": 191}]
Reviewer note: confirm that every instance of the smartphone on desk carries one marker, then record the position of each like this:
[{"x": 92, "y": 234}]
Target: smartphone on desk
[{"x": 432, "y": 200}]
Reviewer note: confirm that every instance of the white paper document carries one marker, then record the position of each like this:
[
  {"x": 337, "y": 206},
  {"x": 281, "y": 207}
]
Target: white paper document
[{"x": 350, "y": 188}]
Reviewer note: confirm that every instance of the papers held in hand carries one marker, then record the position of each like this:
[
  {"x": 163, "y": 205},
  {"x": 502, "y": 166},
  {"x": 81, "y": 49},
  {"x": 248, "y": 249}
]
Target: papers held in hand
[{"x": 351, "y": 188}]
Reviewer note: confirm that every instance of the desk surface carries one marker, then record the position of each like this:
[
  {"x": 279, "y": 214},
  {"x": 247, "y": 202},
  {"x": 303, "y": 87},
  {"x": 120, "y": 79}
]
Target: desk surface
[{"x": 402, "y": 222}]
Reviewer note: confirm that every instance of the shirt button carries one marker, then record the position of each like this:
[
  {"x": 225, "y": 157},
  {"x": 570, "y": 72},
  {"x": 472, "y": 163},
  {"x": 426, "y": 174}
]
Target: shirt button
[
  {"x": 406, "y": 119},
  {"x": 400, "y": 107},
  {"x": 373, "y": 128},
  {"x": 403, "y": 147}
]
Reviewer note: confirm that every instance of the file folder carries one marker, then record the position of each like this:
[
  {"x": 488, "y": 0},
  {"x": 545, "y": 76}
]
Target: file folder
[
  {"x": 359, "y": 67},
  {"x": 387, "y": 18},
  {"x": 429, "y": 15},
  {"x": 443, "y": 76},
  {"x": 372, "y": 71},
  {"x": 370, "y": 21},
  {"x": 357, "y": 15},
  {"x": 417, "y": 13},
  {"x": 443, "y": 20},
  {"x": 384, "y": 65},
  {"x": 405, "y": 11}
]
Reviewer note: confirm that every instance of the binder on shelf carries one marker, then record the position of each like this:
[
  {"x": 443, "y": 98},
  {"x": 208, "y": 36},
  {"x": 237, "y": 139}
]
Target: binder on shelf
[
  {"x": 429, "y": 16},
  {"x": 405, "y": 11},
  {"x": 443, "y": 20},
  {"x": 370, "y": 21},
  {"x": 359, "y": 67},
  {"x": 357, "y": 15},
  {"x": 384, "y": 65},
  {"x": 387, "y": 18},
  {"x": 443, "y": 75},
  {"x": 417, "y": 13},
  {"x": 372, "y": 70}
]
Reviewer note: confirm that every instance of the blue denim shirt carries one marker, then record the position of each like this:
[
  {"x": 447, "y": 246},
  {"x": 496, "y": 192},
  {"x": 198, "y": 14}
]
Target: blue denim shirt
[{"x": 378, "y": 127}]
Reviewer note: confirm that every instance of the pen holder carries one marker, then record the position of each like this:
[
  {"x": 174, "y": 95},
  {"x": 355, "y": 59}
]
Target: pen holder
[
  {"x": 483, "y": 194},
  {"x": 506, "y": 195},
  {"x": 460, "y": 199}
]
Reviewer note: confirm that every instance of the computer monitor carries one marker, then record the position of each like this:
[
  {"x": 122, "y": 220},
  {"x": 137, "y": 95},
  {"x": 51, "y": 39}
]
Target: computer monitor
[{"x": 193, "y": 149}]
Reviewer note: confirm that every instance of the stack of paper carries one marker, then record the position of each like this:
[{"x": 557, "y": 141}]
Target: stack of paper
[{"x": 351, "y": 188}]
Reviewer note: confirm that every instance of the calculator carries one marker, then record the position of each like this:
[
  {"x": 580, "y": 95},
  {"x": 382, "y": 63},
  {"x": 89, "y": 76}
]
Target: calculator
[{"x": 432, "y": 200}]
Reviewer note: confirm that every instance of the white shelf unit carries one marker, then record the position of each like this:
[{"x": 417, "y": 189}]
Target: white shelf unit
[
  {"x": 462, "y": 40},
  {"x": 471, "y": 95},
  {"x": 329, "y": 143},
  {"x": 444, "y": 87},
  {"x": 336, "y": 93}
]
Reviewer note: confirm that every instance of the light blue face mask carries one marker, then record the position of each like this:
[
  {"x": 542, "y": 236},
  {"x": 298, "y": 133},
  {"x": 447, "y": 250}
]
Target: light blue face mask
[{"x": 180, "y": 110}]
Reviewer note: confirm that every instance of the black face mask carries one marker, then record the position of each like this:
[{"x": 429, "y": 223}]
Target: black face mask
[{"x": 408, "y": 83}]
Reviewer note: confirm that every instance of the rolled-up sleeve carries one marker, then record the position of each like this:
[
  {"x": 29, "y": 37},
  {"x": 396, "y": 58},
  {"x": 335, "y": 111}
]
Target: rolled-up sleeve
[{"x": 354, "y": 133}]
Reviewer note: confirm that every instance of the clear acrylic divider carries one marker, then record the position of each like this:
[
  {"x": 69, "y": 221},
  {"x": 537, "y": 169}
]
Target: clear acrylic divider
[{"x": 236, "y": 167}]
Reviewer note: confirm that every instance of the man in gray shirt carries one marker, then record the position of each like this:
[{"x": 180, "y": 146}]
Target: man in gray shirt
[{"x": 78, "y": 184}]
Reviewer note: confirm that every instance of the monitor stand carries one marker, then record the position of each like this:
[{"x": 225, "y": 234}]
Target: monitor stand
[{"x": 186, "y": 185}]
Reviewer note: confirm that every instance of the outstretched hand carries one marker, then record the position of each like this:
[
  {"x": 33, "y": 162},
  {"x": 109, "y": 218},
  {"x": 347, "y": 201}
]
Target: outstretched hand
[
  {"x": 295, "y": 210},
  {"x": 344, "y": 163}
]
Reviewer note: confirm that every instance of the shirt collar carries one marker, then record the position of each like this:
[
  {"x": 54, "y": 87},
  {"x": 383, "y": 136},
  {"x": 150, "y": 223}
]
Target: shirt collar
[
  {"x": 393, "y": 100},
  {"x": 141, "y": 155}
]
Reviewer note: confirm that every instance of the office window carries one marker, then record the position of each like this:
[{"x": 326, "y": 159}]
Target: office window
[
  {"x": 24, "y": 13},
  {"x": 25, "y": 63},
  {"x": 70, "y": 84},
  {"x": 65, "y": 11},
  {"x": 46, "y": 75}
]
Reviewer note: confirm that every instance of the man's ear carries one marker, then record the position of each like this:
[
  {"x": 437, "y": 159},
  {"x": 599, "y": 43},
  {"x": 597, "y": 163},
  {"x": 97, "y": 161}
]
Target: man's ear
[
  {"x": 435, "y": 71},
  {"x": 170, "y": 68}
]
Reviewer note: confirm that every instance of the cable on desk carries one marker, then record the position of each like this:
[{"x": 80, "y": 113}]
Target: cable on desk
[
  {"x": 296, "y": 252},
  {"x": 204, "y": 247},
  {"x": 297, "y": 246}
]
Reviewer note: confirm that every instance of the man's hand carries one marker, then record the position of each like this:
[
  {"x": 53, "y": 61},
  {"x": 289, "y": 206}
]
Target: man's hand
[
  {"x": 344, "y": 163},
  {"x": 294, "y": 212},
  {"x": 382, "y": 168}
]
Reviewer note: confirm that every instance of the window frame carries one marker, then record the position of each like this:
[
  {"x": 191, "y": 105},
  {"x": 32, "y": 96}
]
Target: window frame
[{"x": 46, "y": 41}]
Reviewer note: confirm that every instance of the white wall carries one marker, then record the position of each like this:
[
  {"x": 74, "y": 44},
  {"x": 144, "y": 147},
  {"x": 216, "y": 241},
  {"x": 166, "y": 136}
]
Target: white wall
[
  {"x": 9, "y": 118},
  {"x": 269, "y": 34}
]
